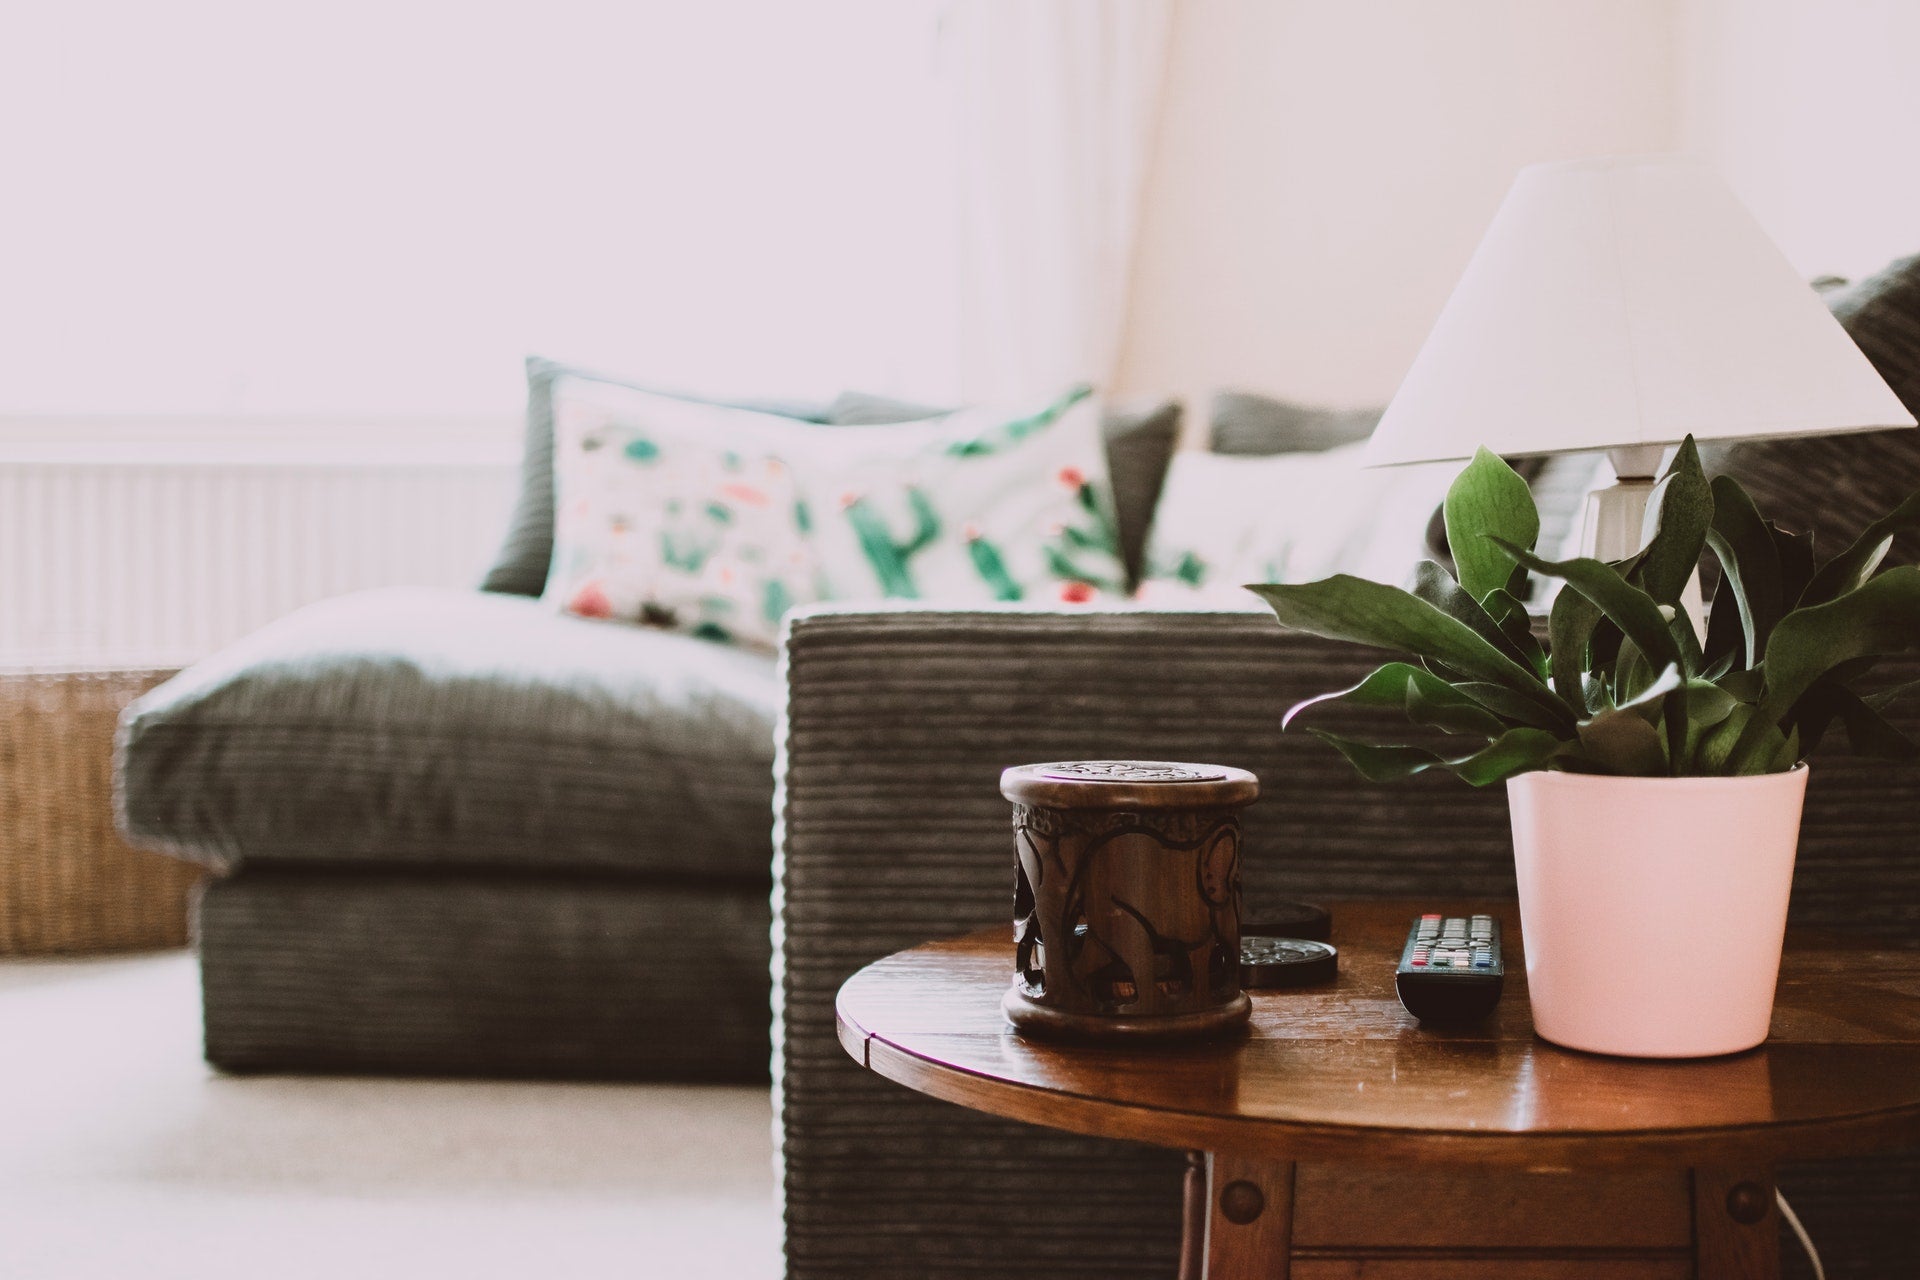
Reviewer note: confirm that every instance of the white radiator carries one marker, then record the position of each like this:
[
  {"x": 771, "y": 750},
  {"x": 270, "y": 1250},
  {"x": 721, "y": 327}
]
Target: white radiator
[{"x": 158, "y": 562}]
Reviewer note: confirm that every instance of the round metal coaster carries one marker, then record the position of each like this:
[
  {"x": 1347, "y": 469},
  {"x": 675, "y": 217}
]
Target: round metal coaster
[
  {"x": 1291, "y": 920},
  {"x": 1286, "y": 962}
]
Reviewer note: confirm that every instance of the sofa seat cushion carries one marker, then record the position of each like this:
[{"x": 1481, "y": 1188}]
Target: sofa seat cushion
[{"x": 423, "y": 727}]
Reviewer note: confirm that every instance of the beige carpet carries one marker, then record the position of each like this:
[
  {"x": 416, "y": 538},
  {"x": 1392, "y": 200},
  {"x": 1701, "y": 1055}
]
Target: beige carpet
[{"x": 123, "y": 1155}]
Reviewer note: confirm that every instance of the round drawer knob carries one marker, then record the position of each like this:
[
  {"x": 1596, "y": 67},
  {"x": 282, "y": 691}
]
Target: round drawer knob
[
  {"x": 1747, "y": 1203},
  {"x": 1241, "y": 1202}
]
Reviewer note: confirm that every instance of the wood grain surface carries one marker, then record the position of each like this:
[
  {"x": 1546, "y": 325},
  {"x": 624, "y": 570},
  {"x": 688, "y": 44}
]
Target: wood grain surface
[{"x": 1341, "y": 1073}]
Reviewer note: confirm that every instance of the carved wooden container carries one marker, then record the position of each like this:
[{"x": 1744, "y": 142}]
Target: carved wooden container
[{"x": 1127, "y": 898}]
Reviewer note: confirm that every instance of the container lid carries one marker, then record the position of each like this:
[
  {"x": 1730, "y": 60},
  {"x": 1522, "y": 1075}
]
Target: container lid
[
  {"x": 1290, "y": 920},
  {"x": 1128, "y": 784},
  {"x": 1286, "y": 962}
]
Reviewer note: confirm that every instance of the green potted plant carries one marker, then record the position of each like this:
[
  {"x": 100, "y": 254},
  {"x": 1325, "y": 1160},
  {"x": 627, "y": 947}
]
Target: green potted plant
[{"x": 1654, "y": 767}]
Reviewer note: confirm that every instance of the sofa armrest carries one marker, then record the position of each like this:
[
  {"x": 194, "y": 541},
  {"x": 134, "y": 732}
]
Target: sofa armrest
[{"x": 892, "y": 831}]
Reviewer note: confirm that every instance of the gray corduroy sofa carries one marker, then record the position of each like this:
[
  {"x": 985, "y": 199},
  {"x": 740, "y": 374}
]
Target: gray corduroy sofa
[
  {"x": 458, "y": 834},
  {"x": 455, "y": 832}
]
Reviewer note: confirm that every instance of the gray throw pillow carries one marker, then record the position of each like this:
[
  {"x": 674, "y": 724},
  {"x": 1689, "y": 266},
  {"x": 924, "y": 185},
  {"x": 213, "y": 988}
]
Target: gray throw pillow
[
  {"x": 1249, "y": 423},
  {"x": 861, "y": 409},
  {"x": 520, "y": 566},
  {"x": 1140, "y": 442},
  {"x": 1834, "y": 486}
]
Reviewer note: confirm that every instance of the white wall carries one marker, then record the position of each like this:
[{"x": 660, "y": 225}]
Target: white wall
[
  {"x": 1324, "y": 171},
  {"x": 221, "y": 209},
  {"x": 1812, "y": 110}
]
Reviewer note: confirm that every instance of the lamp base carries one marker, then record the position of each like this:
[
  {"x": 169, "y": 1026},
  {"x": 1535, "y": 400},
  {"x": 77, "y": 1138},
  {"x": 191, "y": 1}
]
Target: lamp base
[{"x": 1616, "y": 519}]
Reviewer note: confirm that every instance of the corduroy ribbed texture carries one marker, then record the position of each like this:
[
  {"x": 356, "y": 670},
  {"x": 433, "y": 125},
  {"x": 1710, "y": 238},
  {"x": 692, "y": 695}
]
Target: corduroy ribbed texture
[
  {"x": 893, "y": 831},
  {"x": 472, "y": 973},
  {"x": 433, "y": 727}
]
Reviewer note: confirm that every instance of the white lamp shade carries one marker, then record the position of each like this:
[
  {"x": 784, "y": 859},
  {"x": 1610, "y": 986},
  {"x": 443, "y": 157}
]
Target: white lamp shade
[{"x": 1627, "y": 302}]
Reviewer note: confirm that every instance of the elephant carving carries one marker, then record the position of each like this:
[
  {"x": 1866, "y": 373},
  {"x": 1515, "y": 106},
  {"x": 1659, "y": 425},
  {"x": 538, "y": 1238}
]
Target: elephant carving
[{"x": 1128, "y": 914}]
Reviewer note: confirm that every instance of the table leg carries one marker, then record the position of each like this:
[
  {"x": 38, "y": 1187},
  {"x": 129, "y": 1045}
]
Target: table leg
[
  {"x": 1248, "y": 1219},
  {"x": 1193, "y": 1219},
  {"x": 1736, "y": 1226}
]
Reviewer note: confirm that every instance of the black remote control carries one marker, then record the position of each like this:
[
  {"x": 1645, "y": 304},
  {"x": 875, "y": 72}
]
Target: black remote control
[{"x": 1450, "y": 969}]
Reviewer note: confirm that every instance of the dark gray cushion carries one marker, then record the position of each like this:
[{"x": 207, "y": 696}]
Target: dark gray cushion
[
  {"x": 485, "y": 973},
  {"x": 520, "y": 566},
  {"x": 1140, "y": 441},
  {"x": 435, "y": 727},
  {"x": 1834, "y": 486}
]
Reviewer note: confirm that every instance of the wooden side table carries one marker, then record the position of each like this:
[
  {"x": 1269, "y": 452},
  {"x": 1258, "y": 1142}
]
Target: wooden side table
[{"x": 1339, "y": 1139}]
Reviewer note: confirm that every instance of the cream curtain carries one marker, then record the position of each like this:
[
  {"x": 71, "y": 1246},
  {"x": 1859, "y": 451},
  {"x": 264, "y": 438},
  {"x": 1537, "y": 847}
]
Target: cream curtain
[{"x": 1056, "y": 106}]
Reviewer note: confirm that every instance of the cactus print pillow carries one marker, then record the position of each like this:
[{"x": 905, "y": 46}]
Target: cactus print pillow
[
  {"x": 978, "y": 507},
  {"x": 675, "y": 514}
]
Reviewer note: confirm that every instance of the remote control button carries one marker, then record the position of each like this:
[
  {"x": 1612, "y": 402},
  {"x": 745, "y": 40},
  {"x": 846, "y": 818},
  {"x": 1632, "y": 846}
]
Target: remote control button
[{"x": 1419, "y": 962}]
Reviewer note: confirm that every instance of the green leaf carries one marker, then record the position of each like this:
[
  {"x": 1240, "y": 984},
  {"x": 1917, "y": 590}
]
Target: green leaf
[
  {"x": 1394, "y": 686},
  {"x": 1488, "y": 504},
  {"x": 1680, "y": 627},
  {"x": 1433, "y": 702},
  {"x": 1626, "y": 606},
  {"x": 1646, "y": 701},
  {"x": 1880, "y": 617},
  {"x": 1870, "y": 734},
  {"x": 1632, "y": 673},
  {"x": 1887, "y": 697},
  {"x": 1570, "y": 626},
  {"x": 1695, "y": 710},
  {"x": 1379, "y": 763},
  {"x": 1515, "y": 751},
  {"x": 1434, "y": 585},
  {"x": 1710, "y": 758},
  {"x": 1744, "y": 744},
  {"x": 1509, "y": 613},
  {"x": 1719, "y": 669},
  {"x": 1786, "y": 756},
  {"x": 1856, "y": 564},
  {"x": 1682, "y": 508},
  {"x": 1623, "y": 742},
  {"x": 1509, "y": 705},
  {"x": 1344, "y": 607},
  {"x": 1750, "y": 563},
  {"x": 1796, "y": 565}
]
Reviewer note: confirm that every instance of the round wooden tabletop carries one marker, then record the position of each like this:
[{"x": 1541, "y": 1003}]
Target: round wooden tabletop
[{"x": 1341, "y": 1072}]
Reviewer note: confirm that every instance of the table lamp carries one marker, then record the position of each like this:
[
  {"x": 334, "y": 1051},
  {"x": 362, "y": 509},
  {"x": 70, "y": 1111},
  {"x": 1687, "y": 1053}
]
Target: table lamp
[{"x": 1624, "y": 304}]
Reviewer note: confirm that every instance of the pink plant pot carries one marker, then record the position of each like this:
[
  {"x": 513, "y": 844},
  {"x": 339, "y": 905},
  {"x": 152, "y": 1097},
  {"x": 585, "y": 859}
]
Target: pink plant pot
[{"x": 1653, "y": 909}]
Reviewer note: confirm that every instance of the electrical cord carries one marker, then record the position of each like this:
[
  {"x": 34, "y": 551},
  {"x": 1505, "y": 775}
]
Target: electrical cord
[{"x": 1806, "y": 1241}]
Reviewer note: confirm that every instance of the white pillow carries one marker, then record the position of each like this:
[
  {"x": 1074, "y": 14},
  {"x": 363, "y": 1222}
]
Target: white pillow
[
  {"x": 676, "y": 514},
  {"x": 714, "y": 521},
  {"x": 1225, "y": 521},
  {"x": 983, "y": 505}
]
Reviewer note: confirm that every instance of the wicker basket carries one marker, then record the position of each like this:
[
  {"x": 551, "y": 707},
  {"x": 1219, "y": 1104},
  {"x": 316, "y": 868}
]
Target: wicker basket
[{"x": 68, "y": 882}]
